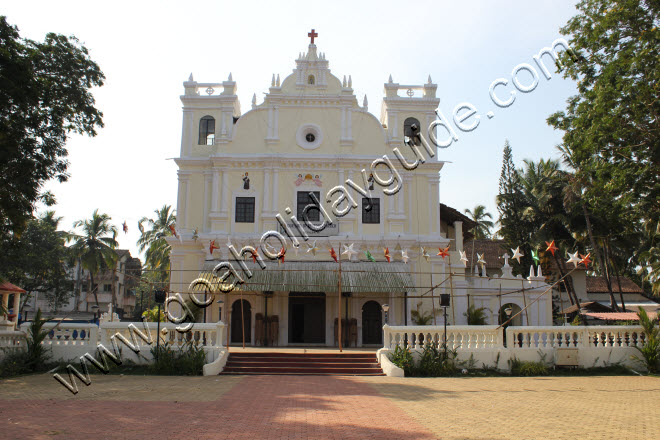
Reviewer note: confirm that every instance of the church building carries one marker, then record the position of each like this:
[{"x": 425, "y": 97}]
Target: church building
[{"x": 244, "y": 174}]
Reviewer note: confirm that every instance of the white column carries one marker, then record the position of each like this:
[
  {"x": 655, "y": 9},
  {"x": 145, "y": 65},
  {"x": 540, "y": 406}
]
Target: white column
[
  {"x": 17, "y": 303},
  {"x": 458, "y": 230},
  {"x": 225, "y": 192},
  {"x": 343, "y": 123},
  {"x": 207, "y": 190},
  {"x": 266, "y": 192},
  {"x": 276, "y": 123},
  {"x": 349, "y": 124},
  {"x": 217, "y": 173},
  {"x": 5, "y": 302},
  {"x": 276, "y": 190},
  {"x": 187, "y": 133}
]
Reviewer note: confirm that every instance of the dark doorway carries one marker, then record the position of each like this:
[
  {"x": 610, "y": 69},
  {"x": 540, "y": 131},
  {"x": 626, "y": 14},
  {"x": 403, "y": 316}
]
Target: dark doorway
[
  {"x": 306, "y": 318},
  {"x": 236, "y": 329},
  {"x": 372, "y": 323}
]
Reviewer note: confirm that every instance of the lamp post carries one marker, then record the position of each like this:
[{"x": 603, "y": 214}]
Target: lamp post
[
  {"x": 386, "y": 309},
  {"x": 95, "y": 308},
  {"x": 508, "y": 312},
  {"x": 159, "y": 297},
  {"x": 444, "y": 303}
]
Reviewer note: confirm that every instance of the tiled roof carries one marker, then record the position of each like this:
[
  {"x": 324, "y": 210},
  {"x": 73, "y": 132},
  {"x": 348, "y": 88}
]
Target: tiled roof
[
  {"x": 617, "y": 316},
  {"x": 599, "y": 285},
  {"x": 6, "y": 286},
  {"x": 451, "y": 215},
  {"x": 492, "y": 251},
  {"x": 590, "y": 306}
]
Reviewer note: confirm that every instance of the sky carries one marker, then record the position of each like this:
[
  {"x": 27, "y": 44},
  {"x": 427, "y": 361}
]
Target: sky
[{"x": 147, "y": 49}]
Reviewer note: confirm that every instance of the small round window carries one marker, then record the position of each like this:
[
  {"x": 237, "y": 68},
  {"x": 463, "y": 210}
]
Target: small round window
[{"x": 310, "y": 137}]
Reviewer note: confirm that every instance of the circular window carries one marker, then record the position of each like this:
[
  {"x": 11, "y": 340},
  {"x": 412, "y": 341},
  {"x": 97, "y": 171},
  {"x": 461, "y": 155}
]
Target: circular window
[{"x": 309, "y": 136}]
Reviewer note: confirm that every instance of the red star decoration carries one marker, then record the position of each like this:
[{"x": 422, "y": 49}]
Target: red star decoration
[
  {"x": 387, "y": 254},
  {"x": 443, "y": 252},
  {"x": 254, "y": 256},
  {"x": 333, "y": 254},
  {"x": 551, "y": 247},
  {"x": 174, "y": 230},
  {"x": 212, "y": 246},
  {"x": 585, "y": 259},
  {"x": 280, "y": 256}
]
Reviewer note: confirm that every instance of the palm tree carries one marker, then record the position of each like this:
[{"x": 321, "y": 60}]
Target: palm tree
[
  {"x": 152, "y": 241},
  {"x": 95, "y": 247},
  {"x": 482, "y": 226}
]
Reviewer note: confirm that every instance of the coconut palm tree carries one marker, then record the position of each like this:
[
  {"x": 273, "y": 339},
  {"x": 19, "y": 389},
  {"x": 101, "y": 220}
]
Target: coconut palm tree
[
  {"x": 152, "y": 241},
  {"x": 95, "y": 247},
  {"x": 482, "y": 227}
]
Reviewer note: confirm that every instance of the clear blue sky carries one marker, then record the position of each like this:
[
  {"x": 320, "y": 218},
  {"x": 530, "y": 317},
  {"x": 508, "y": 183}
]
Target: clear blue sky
[{"x": 147, "y": 49}]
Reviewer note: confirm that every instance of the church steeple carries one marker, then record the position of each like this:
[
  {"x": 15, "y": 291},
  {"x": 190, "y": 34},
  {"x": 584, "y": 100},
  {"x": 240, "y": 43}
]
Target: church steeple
[{"x": 311, "y": 67}]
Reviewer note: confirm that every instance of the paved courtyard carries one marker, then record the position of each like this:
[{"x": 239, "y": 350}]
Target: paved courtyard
[{"x": 296, "y": 407}]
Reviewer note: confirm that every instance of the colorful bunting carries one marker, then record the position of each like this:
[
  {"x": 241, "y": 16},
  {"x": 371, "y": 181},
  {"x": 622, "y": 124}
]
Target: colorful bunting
[
  {"x": 463, "y": 258},
  {"x": 369, "y": 256},
  {"x": 443, "y": 252},
  {"x": 551, "y": 247},
  {"x": 212, "y": 247},
  {"x": 349, "y": 251},
  {"x": 517, "y": 254},
  {"x": 388, "y": 257},
  {"x": 585, "y": 259},
  {"x": 333, "y": 254},
  {"x": 404, "y": 256},
  {"x": 535, "y": 257},
  {"x": 573, "y": 259}
]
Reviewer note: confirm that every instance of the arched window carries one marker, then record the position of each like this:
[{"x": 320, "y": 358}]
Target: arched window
[
  {"x": 411, "y": 127},
  {"x": 310, "y": 80},
  {"x": 206, "y": 130}
]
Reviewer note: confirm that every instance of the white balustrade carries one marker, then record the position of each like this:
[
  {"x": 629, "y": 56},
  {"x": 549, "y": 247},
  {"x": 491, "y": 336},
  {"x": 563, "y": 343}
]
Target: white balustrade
[
  {"x": 71, "y": 334},
  {"x": 575, "y": 337},
  {"x": 465, "y": 337},
  {"x": 12, "y": 340}
]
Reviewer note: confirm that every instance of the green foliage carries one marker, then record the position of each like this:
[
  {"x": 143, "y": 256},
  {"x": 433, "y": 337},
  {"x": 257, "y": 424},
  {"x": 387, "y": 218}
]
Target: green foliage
[
  {"x": 36, "y": 261},
  {"x": 650, "y": 351},
  {"x": 152, "y": 242},
  {"x": 152, "y": 314},
  {"x": 434, "y": 363},
  {"x": 44, "y": 96},
  {"x": 188, "y": 360},
  {"x": 529, "y": 368},
  {"x": 94, "y": 248},
  {"x": 34, "y": 358},
  {"x": 421, "y": 318},
  {"x": 403, "y": 358},
  {"x": 475, "y": 316},
  {"x": 482, "y": 226},
  {"x": 611, "y": 127}
]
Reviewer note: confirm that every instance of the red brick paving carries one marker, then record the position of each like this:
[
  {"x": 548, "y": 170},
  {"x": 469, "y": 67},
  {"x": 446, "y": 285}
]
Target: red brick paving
[{"x": 259, "y": 407}]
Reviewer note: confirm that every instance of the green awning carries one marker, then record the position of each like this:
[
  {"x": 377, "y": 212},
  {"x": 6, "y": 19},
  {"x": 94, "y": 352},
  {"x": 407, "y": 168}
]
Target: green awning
[{"x": 302, "y": 276}]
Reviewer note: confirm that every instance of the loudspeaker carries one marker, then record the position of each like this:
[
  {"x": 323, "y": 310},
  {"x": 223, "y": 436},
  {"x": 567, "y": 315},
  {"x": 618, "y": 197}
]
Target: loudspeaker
[
  {"x": 444, "y": 300},
  {"x": 159, "y": 296}
]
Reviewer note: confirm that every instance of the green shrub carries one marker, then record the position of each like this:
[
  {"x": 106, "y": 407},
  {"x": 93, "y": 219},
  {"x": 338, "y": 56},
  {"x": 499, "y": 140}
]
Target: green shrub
[
  {"x": 529, "y": 368},
  {"x": 188, "y": 360},
  {"x": 34, "y": 358},
  {"x": 475, "y": 316},
  {"x": 403, "y": 358},
  {"x": 651, "y": 349}
]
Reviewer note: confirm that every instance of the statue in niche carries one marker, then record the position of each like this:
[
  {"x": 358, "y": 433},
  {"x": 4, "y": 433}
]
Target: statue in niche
[
  {"x": 371, "y": 181},
  {"x": 246, "y": 181}
]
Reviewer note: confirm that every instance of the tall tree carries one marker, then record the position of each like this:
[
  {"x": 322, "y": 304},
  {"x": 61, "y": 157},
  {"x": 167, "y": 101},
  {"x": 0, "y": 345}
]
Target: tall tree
[
  {"x": 152, "y": 241},
  {"x": 37, "y": 260},
  {"x": 612, "y": 126},
  {"x": 95, "y": 247},
  {"x": 44, "y": 96},
  {"x": 482, "y": 226}
]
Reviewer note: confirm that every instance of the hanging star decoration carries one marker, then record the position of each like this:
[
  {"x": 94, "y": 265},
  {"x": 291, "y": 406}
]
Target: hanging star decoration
[
  {"x": 443, "y": 252},
  {"x": 349, "y": 251},
  {"x": 425, "y": 254},
  {"x": 254, "y": 255},
  {"x": 212, "y": 247},
  {"x": 125, "y": 227},
  {"x": 313, "y": 248},
  {"x": 551, "y": 247},
  {"x": 480, "y": 259},
  {"x": 535, "y": 257},
  {"x": 585, "y": 259},
  {"x": 463, "y": 258},
  {"x": 195, "y": 234},
  {"x": 173, "y": 230},
  {"x": 388, "y": 257},
  {"x": 333, "y": 254},
  {"x": 369, "y": 256},
  {"x": 280, "y": 255},
  {"x": 573, "y": 259},
  {"x": 517, "y": 254},
  {"x": 404, "y": 256},
  {"x": 140, "y": 227}
]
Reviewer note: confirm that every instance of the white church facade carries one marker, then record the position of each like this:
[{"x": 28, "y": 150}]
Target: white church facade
[{"x": 244, "y": 174}]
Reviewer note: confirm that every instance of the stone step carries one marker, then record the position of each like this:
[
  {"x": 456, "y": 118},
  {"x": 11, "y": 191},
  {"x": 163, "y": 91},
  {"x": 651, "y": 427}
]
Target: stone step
[
  {"x": 301, "y": 370},
  {"x": 303, "y": 363}
]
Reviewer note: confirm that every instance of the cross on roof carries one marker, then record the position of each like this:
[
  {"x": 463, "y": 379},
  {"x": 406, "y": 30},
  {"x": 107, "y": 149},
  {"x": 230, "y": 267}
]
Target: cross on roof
[{"x": 312, "y": 35}]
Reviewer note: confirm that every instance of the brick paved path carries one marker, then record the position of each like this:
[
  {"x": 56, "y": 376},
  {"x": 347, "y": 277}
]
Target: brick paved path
[{"x": 295, "y": 407}]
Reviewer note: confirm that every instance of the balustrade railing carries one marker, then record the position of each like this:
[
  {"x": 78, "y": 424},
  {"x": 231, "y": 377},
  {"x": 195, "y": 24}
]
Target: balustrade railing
[
  {"x": 77, "y": 334},
  {"x": 11, "y": 340},
  {"x": 469, "y": 337}
]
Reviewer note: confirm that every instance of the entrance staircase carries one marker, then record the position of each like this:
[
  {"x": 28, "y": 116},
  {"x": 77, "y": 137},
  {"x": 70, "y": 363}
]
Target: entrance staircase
[{"x": 319, "y": 364}]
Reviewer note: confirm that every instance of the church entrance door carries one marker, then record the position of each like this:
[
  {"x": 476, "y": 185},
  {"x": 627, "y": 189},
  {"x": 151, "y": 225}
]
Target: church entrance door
[
  {"x": 306, "y": 318},
  {"x": 372, "y": 323}
]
